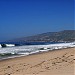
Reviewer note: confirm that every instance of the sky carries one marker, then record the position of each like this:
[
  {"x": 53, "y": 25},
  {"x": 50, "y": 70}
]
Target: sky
[{"x": 20, "y": 18}]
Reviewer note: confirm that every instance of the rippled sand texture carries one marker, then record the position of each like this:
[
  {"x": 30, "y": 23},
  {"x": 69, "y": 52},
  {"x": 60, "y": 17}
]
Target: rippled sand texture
[{"x": 58, "y": 62}]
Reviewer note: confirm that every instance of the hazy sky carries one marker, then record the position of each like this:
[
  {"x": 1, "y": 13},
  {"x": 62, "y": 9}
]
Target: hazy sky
[{"x": 19, "y": 18}]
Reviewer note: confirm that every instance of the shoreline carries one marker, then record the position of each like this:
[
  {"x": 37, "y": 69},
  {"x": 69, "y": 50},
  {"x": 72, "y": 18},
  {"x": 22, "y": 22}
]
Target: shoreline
[
  {"x": 55, "y": 62},
  {"x": 14, "y": 52},
  {"x": 40, "y": 52}
]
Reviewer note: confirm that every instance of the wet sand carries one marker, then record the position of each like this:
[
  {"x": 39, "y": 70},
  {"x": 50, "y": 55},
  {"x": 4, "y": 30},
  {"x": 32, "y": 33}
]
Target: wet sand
[{"x": 57, "y": 62}]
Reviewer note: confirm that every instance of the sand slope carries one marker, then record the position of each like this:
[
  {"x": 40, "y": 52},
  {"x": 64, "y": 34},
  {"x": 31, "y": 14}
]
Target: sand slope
[{"x": 58, "y": 62}]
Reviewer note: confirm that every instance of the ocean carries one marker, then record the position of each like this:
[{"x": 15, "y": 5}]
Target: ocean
[{"x": 17, "y": 51}]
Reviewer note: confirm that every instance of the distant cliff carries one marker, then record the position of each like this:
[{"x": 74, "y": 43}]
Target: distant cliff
[{"x": 61, "y": 36}]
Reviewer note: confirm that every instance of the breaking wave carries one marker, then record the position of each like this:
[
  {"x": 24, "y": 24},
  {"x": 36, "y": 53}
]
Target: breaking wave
[{"x": 10, "y": 52}]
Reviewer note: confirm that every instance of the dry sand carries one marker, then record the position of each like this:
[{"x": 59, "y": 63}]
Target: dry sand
[{"x": 58, "y": 62}]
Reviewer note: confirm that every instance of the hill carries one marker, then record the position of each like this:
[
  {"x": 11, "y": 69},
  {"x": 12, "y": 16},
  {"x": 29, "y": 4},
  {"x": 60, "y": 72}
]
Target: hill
[{"x": 61, "y": 36}]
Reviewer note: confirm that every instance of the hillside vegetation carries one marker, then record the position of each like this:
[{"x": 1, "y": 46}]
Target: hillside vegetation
[{"x": 61, "y": 36}]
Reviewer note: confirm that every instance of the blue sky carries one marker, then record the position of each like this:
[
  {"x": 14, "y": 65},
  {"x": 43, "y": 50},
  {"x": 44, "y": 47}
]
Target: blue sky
[{"x": 19, "y": 18}]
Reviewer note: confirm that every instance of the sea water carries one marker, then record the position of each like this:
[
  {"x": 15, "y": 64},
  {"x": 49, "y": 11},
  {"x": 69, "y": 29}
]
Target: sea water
[{"x": 16, "y": 51}]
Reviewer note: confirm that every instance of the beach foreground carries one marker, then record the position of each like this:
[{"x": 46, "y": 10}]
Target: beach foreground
[{"x": 57, "y": 62}]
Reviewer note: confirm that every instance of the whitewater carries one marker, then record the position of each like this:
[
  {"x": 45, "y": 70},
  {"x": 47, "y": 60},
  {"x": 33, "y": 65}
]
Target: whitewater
[{"x": 16, "y": 51}]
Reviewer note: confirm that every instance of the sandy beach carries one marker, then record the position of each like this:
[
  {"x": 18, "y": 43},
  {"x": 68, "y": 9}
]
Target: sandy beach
[{"x": 57, "y": 62}]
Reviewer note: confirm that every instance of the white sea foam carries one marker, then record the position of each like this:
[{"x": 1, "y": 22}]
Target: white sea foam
[
  {"x": 8, "y": 45},
  {"x": 30, "y": 49}
]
